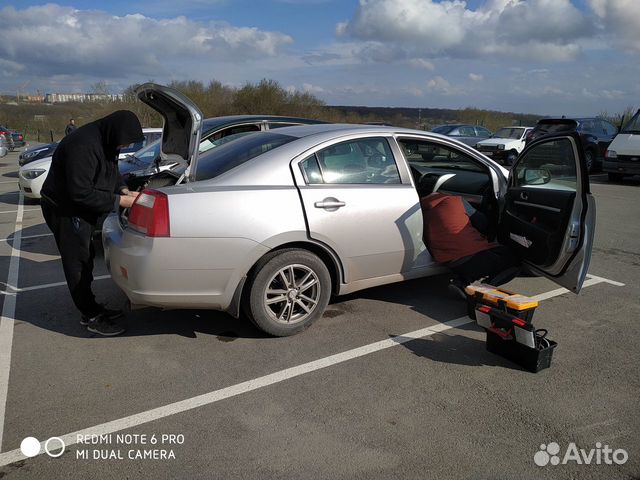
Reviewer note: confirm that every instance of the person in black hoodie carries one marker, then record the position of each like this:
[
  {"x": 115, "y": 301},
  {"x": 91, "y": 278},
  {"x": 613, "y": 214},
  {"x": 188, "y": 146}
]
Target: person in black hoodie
[{"x": 82, "y": 187}]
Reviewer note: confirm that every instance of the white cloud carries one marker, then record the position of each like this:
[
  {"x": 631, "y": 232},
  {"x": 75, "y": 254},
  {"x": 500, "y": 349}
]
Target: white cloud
[
  {"x": 538, "y": 29},
  {"x": 313, "y": 89},
  {"x": 476, "y": 77},
  {"x": 621, "y": 19},
  {"x": 422, "y": 63},
  {"x": 441, "y": 85},
  {"x": 53, "y": 39}
]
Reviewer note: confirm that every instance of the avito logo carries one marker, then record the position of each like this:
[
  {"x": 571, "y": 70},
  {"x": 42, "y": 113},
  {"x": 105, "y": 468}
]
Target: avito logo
[{"x": 551, "y": 454}]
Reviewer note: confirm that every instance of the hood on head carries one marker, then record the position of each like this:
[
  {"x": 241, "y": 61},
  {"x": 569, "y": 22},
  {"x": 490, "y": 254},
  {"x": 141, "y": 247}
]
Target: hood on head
[{"x": 120, "y": 128}]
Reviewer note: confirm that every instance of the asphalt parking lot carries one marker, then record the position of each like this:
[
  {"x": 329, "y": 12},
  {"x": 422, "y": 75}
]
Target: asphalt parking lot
[{"x": 393, "y": 382}]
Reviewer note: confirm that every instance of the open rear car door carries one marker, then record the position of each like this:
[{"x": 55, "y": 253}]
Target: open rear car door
[
  {"x": 182, "y": 122},
  {"x": 549, "y": 212}
]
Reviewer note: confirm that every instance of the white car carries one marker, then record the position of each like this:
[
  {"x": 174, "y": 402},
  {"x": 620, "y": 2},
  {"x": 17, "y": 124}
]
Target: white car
[
  {"x": 32, "y": 175},
  {"x": 150, "y": 136},
  {"x": 505, "y": 145}
]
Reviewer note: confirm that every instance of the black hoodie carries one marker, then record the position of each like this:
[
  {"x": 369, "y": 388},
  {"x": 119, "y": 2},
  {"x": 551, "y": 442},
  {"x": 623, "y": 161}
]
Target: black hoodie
[{"x": 83, "y": 179}]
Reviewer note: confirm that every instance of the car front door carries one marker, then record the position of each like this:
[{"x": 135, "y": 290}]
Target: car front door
[
  {"x": 357, "y": 201},
  {"x": 549, "y": 212}
]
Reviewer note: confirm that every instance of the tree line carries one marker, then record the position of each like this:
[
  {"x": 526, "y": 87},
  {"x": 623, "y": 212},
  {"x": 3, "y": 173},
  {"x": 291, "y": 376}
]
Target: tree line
[{"x": 39, "y": 122}]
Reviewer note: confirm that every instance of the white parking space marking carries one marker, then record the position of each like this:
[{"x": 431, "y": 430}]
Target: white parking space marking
[
  {"x": 591, "y": 280},
  {"x": 12, "y": 290},
  {"x": 261, "y": 382},
  {"x": 10, "y": 239},
  {"x": 21, "y": 209},
  {"x": 8, "y": 314}
]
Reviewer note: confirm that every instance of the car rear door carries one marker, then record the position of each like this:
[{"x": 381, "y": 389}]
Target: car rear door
[
  {"x": 360, "y": 202},
  {"x": 549, "y": 212}
]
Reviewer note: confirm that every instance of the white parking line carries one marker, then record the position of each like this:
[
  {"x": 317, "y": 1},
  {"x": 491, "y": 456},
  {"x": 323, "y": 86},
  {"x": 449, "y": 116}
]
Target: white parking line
[
  {"x": 260, "y": 382},
  {"x": 21, "y": 209},
  {"x": 8, "y": 314},
  {"x": 10, "y": 239},
  {"x": 12, "y": 290}
]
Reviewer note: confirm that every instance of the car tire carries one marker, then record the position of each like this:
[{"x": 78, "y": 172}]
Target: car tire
[
  {"x": 511, "y": 158},
  {"x": 615, "y": 177},
  {"x": 589, "y": 157},
  {"x": 280, "y": 307}
]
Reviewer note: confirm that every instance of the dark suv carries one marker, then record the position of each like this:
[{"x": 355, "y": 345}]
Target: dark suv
[{"x": 596, "y": 135}]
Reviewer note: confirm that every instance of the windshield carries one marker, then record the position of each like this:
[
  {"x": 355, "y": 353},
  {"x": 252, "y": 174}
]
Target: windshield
[
  {"x": 147, "y": 154},
  {"x": 225, "y": 157},
  {"x": 514, "y": 133},
  {"x": 633, "y": 126}
]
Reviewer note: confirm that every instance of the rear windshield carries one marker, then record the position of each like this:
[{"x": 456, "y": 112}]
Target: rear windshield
[
  {"x": 225, "y": 157},
  {"x": 443, "y": 130}
]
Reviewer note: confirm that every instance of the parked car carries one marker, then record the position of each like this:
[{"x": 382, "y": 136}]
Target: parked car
[
  {"x": 141, "y": 166},
  {"x": 623, "y": 155},
  {"x": 3, "y": 146},
  {"x": 505, "y": 145},
  {"x": 36, "y": 153},
  {"x": 18, "y": 139},
  {"x": 150, "y": 136},
  {"x": 273, "y": 223},
  {"x": 33, "y": 172},
  {"x": 469, "y": 134},
  {"x": 596, "y": 135},
  {"x": 6, "y": 133},
  {"x": 31, "y": 177}
]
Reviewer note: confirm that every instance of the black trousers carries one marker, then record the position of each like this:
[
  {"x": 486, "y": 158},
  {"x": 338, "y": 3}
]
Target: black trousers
[
  {"x": 499, "y": 265},
  {"x": 74, "y": 240}
]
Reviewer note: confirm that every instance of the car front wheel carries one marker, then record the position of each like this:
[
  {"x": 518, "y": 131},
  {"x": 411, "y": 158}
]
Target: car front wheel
[
  {"x": 589, "y": 157},
  {"x": 289, "y": 290}
]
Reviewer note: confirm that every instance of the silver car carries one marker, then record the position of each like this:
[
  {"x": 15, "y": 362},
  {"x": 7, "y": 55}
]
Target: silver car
[{"x": 272, "y": 224}]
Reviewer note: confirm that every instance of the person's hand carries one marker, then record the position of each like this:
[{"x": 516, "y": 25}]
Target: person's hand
[
  {"x": 132, "y": 194},
  {"x": 126, "y": 201}
]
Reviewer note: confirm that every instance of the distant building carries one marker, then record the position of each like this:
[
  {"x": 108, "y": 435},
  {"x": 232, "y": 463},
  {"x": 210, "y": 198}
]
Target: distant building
[
  {"x": 34, "y": 98},
  {"x": 82, "y": 97}
]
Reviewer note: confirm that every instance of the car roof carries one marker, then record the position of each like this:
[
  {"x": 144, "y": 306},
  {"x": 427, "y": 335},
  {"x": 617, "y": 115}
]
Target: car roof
[{"x": 215, "y": 122}]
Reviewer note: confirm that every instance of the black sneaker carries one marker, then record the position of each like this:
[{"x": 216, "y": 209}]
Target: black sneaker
[
  {"x": 109, "y": 313},
  {"x": 103, "y": 325}
]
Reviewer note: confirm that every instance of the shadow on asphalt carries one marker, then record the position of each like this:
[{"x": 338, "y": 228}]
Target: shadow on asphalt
[
  {"x": 457, "y": 350},
  {"x": 602, "y": 179}
]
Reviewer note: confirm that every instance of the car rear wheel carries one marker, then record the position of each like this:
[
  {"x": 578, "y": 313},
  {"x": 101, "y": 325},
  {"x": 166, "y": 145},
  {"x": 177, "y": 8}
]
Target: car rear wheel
[
  {"x": 615, "y": 177},
  {"x": 289, "y": 290}
]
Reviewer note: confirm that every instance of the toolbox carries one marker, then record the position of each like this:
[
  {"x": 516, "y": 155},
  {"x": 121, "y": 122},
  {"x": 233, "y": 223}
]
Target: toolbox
[
  {"x": 510, "y": 335},
  {"x": 519, "y": 305}
]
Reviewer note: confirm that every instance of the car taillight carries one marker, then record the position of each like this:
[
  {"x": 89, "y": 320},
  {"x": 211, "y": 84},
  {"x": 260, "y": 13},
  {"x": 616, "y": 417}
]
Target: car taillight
[{"x": 150, "y": 214}]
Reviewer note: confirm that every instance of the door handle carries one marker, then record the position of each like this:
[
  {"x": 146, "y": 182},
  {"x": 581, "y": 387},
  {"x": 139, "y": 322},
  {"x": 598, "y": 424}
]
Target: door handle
[
  {"x": 524, "y": 195},
  {"x": 331, "y": 204}
]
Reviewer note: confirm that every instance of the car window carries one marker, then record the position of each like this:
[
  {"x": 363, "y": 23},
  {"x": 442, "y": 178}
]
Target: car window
[
  {"x": 483, "y": 132},
  {"x": 212, "y": 140},
  {"x": 225, "y": 157},
  {"x": 549, "y": 165},
  {"x": 431, "y": 154},
  {"x": 209, "y": 143},
  {"x": 633, "y": 125},
  {"x": 513, "y": 133},
  {"x": 362, "y": 161},
  {"x": 466, "y": 132},
  {"x": 443, "y": 129},
  {"x": 607, "y": 128}
]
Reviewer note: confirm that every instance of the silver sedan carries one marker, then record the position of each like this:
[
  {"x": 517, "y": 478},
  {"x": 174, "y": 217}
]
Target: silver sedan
[{"x": 272, "y": 224}]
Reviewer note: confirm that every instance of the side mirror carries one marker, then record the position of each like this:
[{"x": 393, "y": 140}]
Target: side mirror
[{"x": 536, "y": 176}]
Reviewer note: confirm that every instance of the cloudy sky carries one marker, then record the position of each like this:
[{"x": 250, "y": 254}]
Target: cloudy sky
[{"x": 574, "y": 57}]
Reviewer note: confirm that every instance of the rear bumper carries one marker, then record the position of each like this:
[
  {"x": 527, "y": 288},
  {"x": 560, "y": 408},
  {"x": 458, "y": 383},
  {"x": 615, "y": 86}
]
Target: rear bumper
[
  {"x": 626, "y": 168},
  {"x": 177, "y": 272}
]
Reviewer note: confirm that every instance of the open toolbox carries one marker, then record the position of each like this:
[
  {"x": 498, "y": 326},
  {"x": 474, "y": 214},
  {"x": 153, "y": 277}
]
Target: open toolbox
[{"x": 507, "y": 318}]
